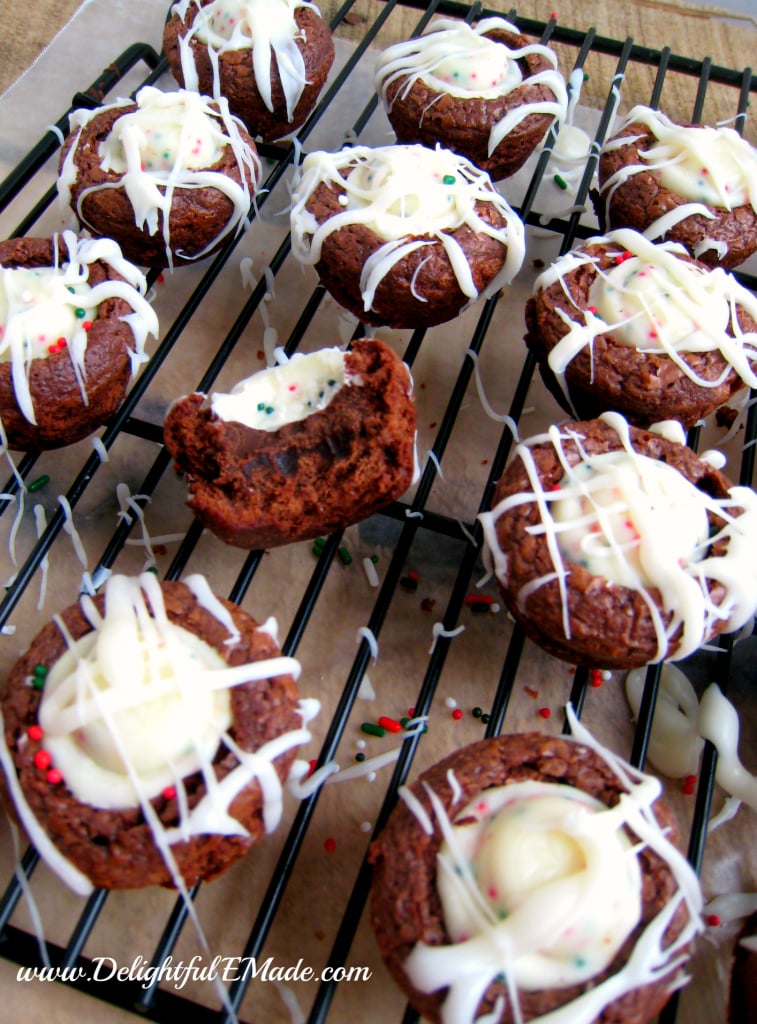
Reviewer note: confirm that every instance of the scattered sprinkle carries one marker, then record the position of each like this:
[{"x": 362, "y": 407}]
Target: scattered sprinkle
[
  {"x": 485, "y": 718},
  {"x": 390, "y": 724},
  {"x": 169, "y": 792},
  {"x": 477, "y": 712},
  {"x": 38, "y": 484},
  {"x": 330, "y": 845},
  {"x": 450, "y": 702},
  {"x": 532, "y": 693},
  {"x": 312, "y": 765},
  {"x": 545, "y": 712},
  {"x": 713, "y": 920},
  {"x": 596, "y": 677},
  {"x": 360, "y": 757},
  {"x": 34, "y": 732},
  {"x": 55, "y": 776},
  {"x": 409, "y": 582},
  {"x": 318, "y": 545},
  {"x": 427, "y": 604},
  {"x": 345, "y": 556},
  {"x": 43, "y": 759},
  {"x": 366, "y": 826},
  {"x": 448, "y": 179},
  {"x": 457, "y": 714},
  {"x": 478, "y": 602},
  {"x": 560, "y": 182},
  {"x": 370, "y": 571},
  {"x": 371, "y": 729}
]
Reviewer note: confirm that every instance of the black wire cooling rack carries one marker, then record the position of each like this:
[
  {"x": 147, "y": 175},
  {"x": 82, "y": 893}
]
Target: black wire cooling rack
[{"x": 417, "y": 531}]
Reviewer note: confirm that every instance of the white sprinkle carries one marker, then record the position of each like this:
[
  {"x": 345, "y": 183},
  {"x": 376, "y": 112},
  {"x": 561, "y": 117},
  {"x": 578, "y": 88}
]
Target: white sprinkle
[
  {"x": 366, "y": 826},
  {"x": 495, "y": 608},
  {"x": 360, "y": 744},
  {"x": 8, "y": 630},
  {"x": 450, "y": 702},
  {"x": 371, "y": 777},
  {"x": 370, "y": 572}
]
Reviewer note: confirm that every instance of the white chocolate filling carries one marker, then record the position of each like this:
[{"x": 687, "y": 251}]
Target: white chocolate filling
[
  {"x": 454, "y": 58},
  {"x": 38, "y": 311},
  {"x": 682, "y": 585},
  {"x": 556, "y": 877},
  {"x": 632, "y": 520},
  {"x": 287, "y": 393},
  {"x": 412, "y": 197}
]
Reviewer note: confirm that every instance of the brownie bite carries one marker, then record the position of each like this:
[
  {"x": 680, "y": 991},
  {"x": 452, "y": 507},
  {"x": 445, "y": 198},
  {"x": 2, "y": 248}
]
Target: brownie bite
[
  {"x": 615, "y": 547},
  {"x": 170, "y": 176},
  {"x": 73, "y": 325},
  {"x": 685, "y": 183},
  {"x": 269, "y": 58},
  {"x": 527, "y": 874},
  {"x": 623, "y": 324},
  {"x": 404, "y": 236},
  {"x": 298, "y": 450},
  {"x": 119, "y": 715},
  {"x": 485, "y": 92}
]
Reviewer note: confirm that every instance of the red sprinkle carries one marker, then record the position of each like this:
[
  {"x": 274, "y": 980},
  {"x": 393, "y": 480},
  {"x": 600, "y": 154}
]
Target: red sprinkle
[
  {"x": 313, "y": 763},
  {"x": 545, "y": 712},
  {"x": 531, "y": 692},
  {"x": 688, "y": 787},
  {"x": 713, "y": 920},
  {"x": 87, "y": 325},
  {"x": 478, "y": 600},
  {"x": 427, "y": 604},
  {"x": 457, "y": 714},
  {"x": 690, "y": 780},
  {"x": 55, "y": 776},
  {"x": 622, "y": 257},
  {"x": 169, "y": 792},
  {"x": 161, "y": 278},
  {"x": 411, "y": 712},
  {"x": 390, "y": 724},
  {"x": 43, "y": 759},
  {"x": 596, "y": 677},
  {"x": 34, "y": 732},
  {"x": 330, "y": 845}
]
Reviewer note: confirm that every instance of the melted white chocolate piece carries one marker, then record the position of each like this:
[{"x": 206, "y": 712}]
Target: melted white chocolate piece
[
  {"x": 675, "y": 745},
  {"x": 459, "y": 60},
  {"x": 631, "y": 520},
  {"x": 401, "y": 193},
  {"x": 588, "y": 872},
  {"x": 266, "y": 28},
  {"x": 161, "y": 147},
  {"x": 657, "y": 303},
  {"x": 681, "y": 581},
  {"x": 534, "y": 845},
  {"x": 287, "y": 393},
  {"x": 45, "y": 310}
]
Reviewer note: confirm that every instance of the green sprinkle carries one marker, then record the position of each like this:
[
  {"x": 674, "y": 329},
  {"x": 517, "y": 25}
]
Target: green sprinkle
[
  {"x": 40, "y": 670},
  {"x": 39, "y": 483},
  {"x": 153, "y": 569},
  {"x": 404, "y": 720},
  {"x": 331, "y": 383},
  {"x": 269, "y": 410},
  {"x": 80, "y": 314},
  {"x": 485, "y": 718},
  {"x": 477, "y": 712},
  {"x": 374, "y": 559},
  {"x": 261, "y": 406},
  {"x": 318, "y": 545},
  {"x": 370, "y": 729},
  {"x": 71, "y": 289},
  {"x": 587, "y": 76},
  {"x": 345, "y": 556},
  {"x": 560, "y": 182},
  {"x": 38, "y": 683},
  {"x": 360, "y": 757},
  {"x": 449, "y": 179}
]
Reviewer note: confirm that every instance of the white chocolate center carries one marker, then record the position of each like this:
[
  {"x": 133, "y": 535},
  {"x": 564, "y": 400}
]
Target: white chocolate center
[
  {"x": 285, "y": 394},
  {"x": 629, "y": 520},
  {"x": 41, "y": 311},
  {"x": 557, "y": 876}
]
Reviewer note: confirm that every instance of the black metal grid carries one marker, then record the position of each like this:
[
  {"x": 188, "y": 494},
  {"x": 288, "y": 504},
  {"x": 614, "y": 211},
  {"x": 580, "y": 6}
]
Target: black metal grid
[{"x": 157, "y": 1003}]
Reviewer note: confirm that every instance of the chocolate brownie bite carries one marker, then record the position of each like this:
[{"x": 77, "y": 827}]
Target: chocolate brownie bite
[
  {"x": 170, "y": 176},
  {"x": 623, "y": 324},
  {"x": 73, "y": 325},
  {"x": 298, "y": 450},
  {"x": 269, "y": 58},
  {"x": 616, "y": 547},
  {"x": 404, "y": 236},
  {"x": 485, "y": 92},
  {"x": 148, "y": 733},
  {"x": 742, "y": 1003},
  {"x": 528, "y": 875},
  {"x": 691, "y": 184}
]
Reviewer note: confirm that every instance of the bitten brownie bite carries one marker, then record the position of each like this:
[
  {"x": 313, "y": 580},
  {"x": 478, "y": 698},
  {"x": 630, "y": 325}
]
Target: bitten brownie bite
[
  {"x": 485, "y": 92},
  {"x": 300, "y": 449},
  {"x": 404, "y": 236},
  {"x": 691, "y": 184},
  {"x": 147, "y": 735},
  {"x": 269, "y": 58},
  {"x": 73, "y": 327},
  {"x": 171, "y": 176},
  {"x": 615, "y": 547},
  {"x": 623, "y": 324},
  {"x": 529, "y": 876}
]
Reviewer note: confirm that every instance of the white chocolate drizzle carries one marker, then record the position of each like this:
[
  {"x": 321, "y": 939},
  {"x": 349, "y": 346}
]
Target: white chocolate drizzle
[
  {"x": 287, "y": 393},
  {"x": 507, "y": 946},
  {"x": 50, "y": 309},
  {"x": 709, "y": 167},
  {"x": 656, "y": 303},
  {"x": 455, "y": 58},
  {"x": 137, "y": 705},
  {"x": 162, "y": 147},
  {"x": 412, "y": 197},
  {"x": 675, "y": 745},
  {"x": 680, "y": 580},
  {"x": 267, "y": 28}
]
